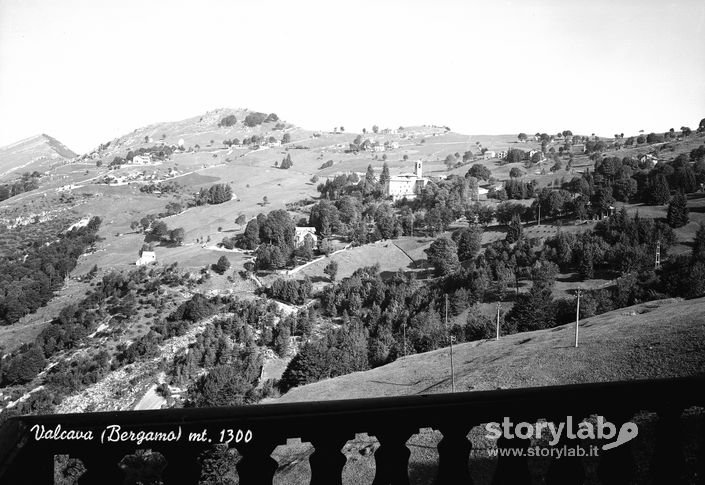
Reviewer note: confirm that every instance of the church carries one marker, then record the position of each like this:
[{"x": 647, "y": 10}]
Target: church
[{"x": 407, "y": 185}]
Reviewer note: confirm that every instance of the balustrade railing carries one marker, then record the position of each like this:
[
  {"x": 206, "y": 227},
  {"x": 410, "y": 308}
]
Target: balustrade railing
[{"x": 102, "y": 440}]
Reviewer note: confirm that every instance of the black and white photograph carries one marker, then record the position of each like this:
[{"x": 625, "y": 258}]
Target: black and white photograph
[{"x": 352, "y": 243}]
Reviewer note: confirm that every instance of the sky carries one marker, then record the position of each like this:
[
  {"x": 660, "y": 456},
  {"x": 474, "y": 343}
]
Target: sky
[{"x": 88, "y": 71}]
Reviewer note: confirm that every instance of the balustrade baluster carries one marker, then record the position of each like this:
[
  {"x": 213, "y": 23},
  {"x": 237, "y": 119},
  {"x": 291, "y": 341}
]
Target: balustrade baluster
[
  {"x": 453, "y": 455},
  {"x": 512, "y": 470},
  {"x": 327, "y": 461},
  {"x": 669, "y": 461},
  {"x": 392, "y": 457},
  {"x": 617, "y": 465},
  {"x": 567, "y": 470},
  {"x": 101, "y": 462},
  {"x": 35, "y": 465},
  {"x": 257, "y": 467},
  {"x": 183, "y": 465}
]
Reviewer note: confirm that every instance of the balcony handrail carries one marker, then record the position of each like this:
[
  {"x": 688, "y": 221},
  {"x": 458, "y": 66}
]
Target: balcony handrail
[{"x": 275, "y": 423}]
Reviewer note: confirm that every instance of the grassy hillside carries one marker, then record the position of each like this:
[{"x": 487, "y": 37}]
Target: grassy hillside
[
  {"x": 656, "y": 339},
  {"x": 38, "y": 153}
]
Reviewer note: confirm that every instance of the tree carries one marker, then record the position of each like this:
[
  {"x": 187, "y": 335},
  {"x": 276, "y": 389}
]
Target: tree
[
  {"x": 224, "y": 385},
  {"x": 250, "y": 239},
  {"x": 699, "y": 243},
  {"x": 469, "y": 242},
  {"x": 516, "y": 173},
  {"x": 514, "y": 230},
  {"x": 241, "y": 219},
  {"x": 254, "y": 119},
  {"x": 603, "y": 200},
  {"x": 534, "y": 310},
  {"x": 286, "y": 138},
  {"x": 384, "y": 178},
  {"x": 229, "y": 120},
  {"x": 659, "y": 191},
  {"x": 177, "y": 235},
  {"x": 678, "y": 211},
  {"x": 522, "y": 137},
  {"x": 222, "y": 265},
  {"x": 286, "y": 162},
  {"x": 325, "y": 218},
  {"x": 331, "y": 270},
  {"x": 443, "y": 255},
  {"x": 479, "y": 171},
  {"x": 450, "y": 161},
  {"x": 375, "y": 128},
  {"x": 159, "y": 229},
  {"x": 23, "y": 367}
]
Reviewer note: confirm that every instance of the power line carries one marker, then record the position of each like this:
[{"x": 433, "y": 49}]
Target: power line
[
  {"x": 452, "y": 370},
  {"x": 577, "y": 319}
]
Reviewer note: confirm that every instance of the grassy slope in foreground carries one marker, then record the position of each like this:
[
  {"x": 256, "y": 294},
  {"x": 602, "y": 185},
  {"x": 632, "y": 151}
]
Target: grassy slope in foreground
[{"x": 655, "y": 339}]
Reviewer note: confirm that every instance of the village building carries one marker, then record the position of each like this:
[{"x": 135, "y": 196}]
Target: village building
[
  {"x": 302, "y": 233},
  {"x": 406, "y": 185},
  {"x": 147, "y": 257},
  {"x": 648, "y": 160},
  {"x": 142, "y": 159},
  {"x": 502, "y": 154},
  {"x": 489, "y": 154}
]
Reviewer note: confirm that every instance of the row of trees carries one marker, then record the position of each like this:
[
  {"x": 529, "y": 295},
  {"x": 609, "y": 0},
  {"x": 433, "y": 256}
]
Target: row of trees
[
  {"x": 29, "y": 281},
  {"x": 215, "y": 194},
  {"x": 377, "y": 313},
  {"x": 28, "y": 181}
]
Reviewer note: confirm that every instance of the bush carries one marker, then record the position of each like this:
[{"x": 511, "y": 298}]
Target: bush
[
  {"x": 222, "y": 265},
  {"x": 254, "y": 119},
  {"x": 229, "y": 120}
]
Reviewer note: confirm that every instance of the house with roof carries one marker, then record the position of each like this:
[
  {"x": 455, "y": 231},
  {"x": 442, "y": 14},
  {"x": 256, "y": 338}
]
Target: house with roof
[
  {"x": 142, "y": 159},
  {"x": 147, "y": 257},
  {"x": 488, "y": 154},
  {"x": 406, "y": 185},
  {"x": 305, "y": 232}
]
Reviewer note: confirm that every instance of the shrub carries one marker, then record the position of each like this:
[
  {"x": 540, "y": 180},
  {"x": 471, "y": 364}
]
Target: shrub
[
  {"x": 254, "y": 119},
  {"x": 229, "y": 120}
]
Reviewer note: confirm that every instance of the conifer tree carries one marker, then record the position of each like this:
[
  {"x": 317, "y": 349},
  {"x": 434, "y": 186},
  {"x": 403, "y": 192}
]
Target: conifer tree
[
  {"x": 384, "y": 178},
  {"x": 514, "y": 231},
  {"x": 678, "y": 211}
]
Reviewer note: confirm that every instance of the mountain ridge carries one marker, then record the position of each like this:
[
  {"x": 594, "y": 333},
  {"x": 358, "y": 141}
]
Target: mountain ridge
[{"x": 36, "y": 152}]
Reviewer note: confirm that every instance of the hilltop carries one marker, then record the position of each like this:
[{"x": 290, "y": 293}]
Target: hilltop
[
  {"x": 657, "y": 339},
  {"x": 40, "y": 153}
]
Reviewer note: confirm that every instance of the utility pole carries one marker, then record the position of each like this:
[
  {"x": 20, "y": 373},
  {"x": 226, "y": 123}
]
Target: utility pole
[
  {"x": 539, "y": 220},
  {"x": 577, "y": 319},
  {"x": 658, "y": 254},
  {"x": 452, "y": 370},
  {"x": 499, "y": 305},
  {"x": 403, "y": 326}
]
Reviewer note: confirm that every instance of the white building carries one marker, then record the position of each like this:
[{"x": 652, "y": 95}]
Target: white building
[
  {"x": 302, "y": 233},
  {"x": 489, "y": 155},
  {"x": 142, "y": 159},
  {"x": 147, "y": 257},
  {"x": 407, "y": 185}
]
